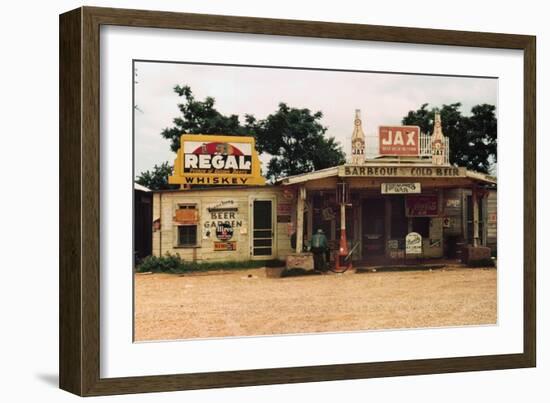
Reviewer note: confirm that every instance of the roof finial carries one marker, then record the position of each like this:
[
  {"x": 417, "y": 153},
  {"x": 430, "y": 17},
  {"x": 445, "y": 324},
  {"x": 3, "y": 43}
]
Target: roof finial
[
  {"x": 438, "y": 144},
  {"x": 357, "y": 140}
]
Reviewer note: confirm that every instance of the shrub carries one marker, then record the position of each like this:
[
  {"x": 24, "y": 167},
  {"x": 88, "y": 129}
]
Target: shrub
[
  {"x": 481, "y": 263},
  {"x": 163, "y": 264},
  {"x": 169, "y": 263}
]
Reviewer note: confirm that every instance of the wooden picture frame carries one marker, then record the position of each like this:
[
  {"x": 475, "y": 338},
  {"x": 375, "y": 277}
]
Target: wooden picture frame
[{"x": 79, "y": 201}]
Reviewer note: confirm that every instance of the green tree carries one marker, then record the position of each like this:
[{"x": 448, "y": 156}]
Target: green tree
[
  {"x": 157, "y": 179},
  {"x": 294, "y": 138},
  {"x": 472, "y": 139},
  {"x": 296, "y": 141},
  {"x": 482, "y": 128},
  {"x": 199, "y": 117}
]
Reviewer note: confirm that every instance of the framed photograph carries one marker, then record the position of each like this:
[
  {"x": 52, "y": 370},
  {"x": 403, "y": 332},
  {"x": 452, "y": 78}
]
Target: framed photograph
[{"x": 249, "y": 201}]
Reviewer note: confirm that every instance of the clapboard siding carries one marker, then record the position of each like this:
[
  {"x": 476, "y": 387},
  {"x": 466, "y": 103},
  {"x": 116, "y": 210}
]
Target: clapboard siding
[
  {"x": 492, "y": 219},
  {"x": 165, "y": 240}
]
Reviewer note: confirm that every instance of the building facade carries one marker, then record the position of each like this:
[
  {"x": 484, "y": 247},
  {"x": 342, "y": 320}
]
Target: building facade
[
  {"x": 224, "y": 223},
  {"x": 366, "y": 207},
  {"x": 449, "y": 207},
  {"x": 143, "y": 216}
]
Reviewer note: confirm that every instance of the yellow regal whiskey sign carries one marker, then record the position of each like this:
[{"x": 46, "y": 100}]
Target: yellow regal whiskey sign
[{"x": 216, "y": 160}]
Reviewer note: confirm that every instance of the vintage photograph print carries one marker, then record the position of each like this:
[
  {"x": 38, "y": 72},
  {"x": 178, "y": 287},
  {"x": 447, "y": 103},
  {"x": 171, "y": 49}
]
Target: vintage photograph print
[{"x": 271, "y": 200}]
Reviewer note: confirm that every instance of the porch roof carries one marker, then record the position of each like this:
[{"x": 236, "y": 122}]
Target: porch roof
[{"x": 390, "y": 171}]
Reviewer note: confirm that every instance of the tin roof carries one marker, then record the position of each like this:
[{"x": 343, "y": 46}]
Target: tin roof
[
  {"x": 137, "y": 186},
  {"x": 375, "y": 167},
  {"x": 212, "y": 188}
]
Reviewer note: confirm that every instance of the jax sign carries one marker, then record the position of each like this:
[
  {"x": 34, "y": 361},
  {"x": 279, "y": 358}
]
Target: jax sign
[
  {"x": 399, "y": 140},
  {"x": 216, "y": 160}
]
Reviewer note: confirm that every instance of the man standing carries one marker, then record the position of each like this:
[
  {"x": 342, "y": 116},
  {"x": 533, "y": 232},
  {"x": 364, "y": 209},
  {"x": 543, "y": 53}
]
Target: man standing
[{"x": 319, "y": 246}]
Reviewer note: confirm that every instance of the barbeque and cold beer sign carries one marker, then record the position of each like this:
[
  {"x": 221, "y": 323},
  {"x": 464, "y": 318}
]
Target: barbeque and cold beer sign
[{"x": 216, "y": 160}]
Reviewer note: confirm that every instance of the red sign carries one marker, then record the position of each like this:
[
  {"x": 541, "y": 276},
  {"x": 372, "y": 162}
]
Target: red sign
[
  {"x": 421, "y": 206},
  {"x": 225, "y": 246},
  {"x": 284, "y": 208},
  {"x": 399, "y": 140}
]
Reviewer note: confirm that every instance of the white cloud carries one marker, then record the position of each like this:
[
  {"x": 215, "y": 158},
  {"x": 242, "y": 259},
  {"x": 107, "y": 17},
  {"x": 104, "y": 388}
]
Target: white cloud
[{"x": 383, "y": 98}]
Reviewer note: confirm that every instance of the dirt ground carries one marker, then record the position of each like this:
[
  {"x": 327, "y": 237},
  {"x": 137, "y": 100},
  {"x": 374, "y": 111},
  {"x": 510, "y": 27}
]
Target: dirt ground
[{"x": 239, "y": 303}]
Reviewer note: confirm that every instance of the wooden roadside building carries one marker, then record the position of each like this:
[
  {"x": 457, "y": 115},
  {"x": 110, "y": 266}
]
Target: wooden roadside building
[
  {"x": 225, "y": 211},
  {"x": 143, "y": 216}
]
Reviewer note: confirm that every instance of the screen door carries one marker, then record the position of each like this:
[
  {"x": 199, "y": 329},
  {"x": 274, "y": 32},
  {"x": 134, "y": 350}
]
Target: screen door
[{"x": 262, "y": 230}]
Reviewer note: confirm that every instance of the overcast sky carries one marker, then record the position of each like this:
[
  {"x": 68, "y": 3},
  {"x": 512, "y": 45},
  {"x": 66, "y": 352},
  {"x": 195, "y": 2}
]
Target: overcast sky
[{"x": 382, "y": 98}]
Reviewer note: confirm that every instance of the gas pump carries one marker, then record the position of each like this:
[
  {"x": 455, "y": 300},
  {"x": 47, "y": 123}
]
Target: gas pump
[{"x": 343, "y": 258}]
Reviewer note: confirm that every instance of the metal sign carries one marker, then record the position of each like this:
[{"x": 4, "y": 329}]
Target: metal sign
[
  {"x": 225, "y": 246},
  {"x": 224, "y": 231},
  {"x": 401, "y": 188},
  {"x": 413, "y": 243},
  {"x": 399, "y": 140},
  {"x": 216, "y": 160},
  {"x": 284, "y": 208},
  {"x": 187, "y": 216},
  {"x": 401, "y": 172},
  {"x": 421, "y": 206}
]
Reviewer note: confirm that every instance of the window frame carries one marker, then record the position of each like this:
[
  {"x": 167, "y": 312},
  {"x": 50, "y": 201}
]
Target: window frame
[{"x": 191, "y": 205}]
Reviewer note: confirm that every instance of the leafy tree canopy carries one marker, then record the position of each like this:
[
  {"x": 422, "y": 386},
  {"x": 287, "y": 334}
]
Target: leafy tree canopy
[
  {"x": 472, "y": 139},
  {"x": 294, "y": 138},
  {"x": 157, "y": 179},
  {"x": 199, "y": 117}
]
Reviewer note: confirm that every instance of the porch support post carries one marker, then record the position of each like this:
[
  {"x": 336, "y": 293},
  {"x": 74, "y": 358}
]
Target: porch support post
[
  {"x": 387, "y": 224},
  {"x": 484, "y": 217},
  {"x": 300, "y": 219},
  {"x": 475, "y": 215}
]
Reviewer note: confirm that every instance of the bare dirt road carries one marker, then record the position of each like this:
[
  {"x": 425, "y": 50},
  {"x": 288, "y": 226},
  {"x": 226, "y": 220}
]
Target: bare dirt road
[{"x": 240, "y": 303}]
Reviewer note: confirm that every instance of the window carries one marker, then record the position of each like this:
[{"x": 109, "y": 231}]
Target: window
[
  {"x": 186, "y": 220},
  {"x": 187, "y": 235}
]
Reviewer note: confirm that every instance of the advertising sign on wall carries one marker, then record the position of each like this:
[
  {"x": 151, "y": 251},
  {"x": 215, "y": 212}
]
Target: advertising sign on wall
[
  {"x": 284, "y": 212},
  {"x": 222, "y": 219},
  {"x": 402, "y": 171},
  {"x": 224, "y": 231},
  {"x": 284, "y": 208},
  {"x": 225, "y": 246},
  {"x": 186, "y": 216},
  {"x": 421, "y": 206},
  {"x": 399, "y": 140},
  {"x": 413, "y": 243},
  {"x": 401, "y": 188},
  {"x": 216, "y": 160}
]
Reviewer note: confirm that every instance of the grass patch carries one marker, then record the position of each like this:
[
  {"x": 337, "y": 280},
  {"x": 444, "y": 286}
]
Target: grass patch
[{"x": 175, "y": 264}]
